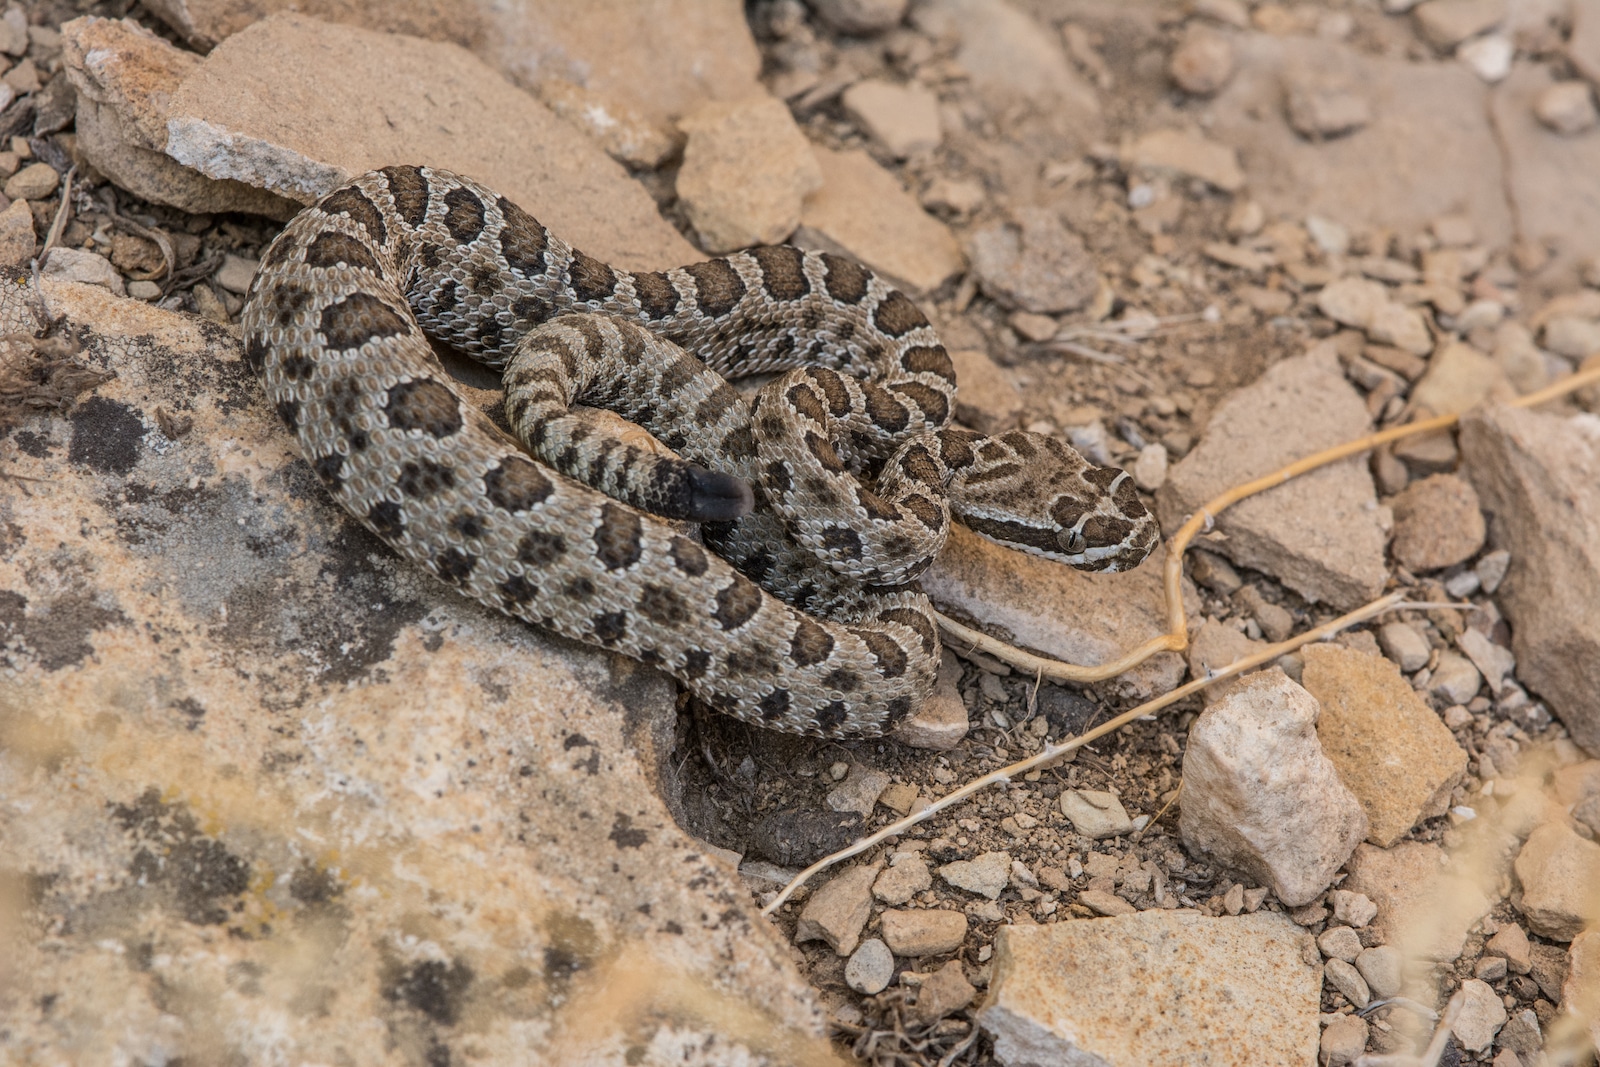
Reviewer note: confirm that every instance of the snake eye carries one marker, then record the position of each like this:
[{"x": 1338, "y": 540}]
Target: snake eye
[{"x": 1072, "y": 541}]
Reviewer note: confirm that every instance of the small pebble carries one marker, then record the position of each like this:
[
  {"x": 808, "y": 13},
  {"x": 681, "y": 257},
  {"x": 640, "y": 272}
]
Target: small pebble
[
  {"x": 1347, "y": 979},
  {"x": 1150, "y": 469},
  {"x": 143, "y": 290},
  {"x": 37, "y": 181},
  {"x": 236, "y": 272},
  {"x": 1354, "y": 909},
  {"x": 1340, "y": 943},
  {"x": 870, "y": 967},
  {"x": 1404, "y": 644},
  {"x": 1455, "y": 678},
  {"x": 987, "y": 875},
  {"x": 1481, "y": 1016},
  {"x": 1343, "y": 1040},
  {"x": 1382, "y": 967},
  {"x": 923, "y": 931},
  {"x": 1491, "y": 569},
  {"x": 1462, "y": 585},
  {"x": 1203, "y": 62},
  {"x": 1566, "y": 107}
]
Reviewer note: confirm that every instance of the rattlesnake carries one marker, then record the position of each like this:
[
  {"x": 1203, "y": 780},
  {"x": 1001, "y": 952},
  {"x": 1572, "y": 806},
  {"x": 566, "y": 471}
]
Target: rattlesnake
[{"x": 335, "y": 325}]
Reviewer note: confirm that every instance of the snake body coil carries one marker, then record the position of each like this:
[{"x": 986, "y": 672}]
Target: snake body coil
[{"x": 806, "y": 617}]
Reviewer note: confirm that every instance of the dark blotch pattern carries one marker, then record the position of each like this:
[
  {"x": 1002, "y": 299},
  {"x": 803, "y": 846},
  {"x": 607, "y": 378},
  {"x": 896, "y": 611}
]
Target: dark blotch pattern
[
  {"x": 409, "y": 187},
  {"x": 811, "y": 644},
  {"x": 516, "y": 591},
  {"x": 329, "y": 469},
  {"x": 610, "y": 627},
  {"x": 425, "y": 405},
  {"x": 523, "y": 241},
  {"x": 664, "y": 605},
  {"x": 843, "y": 541},
  {"x": 929, "y": 359},
  {"x": 386, "y": 519},
  {"x": 656, "y": 293},
  {"x": 359, "y": 318},
  {"x": 289, "y": 412},
  {"x": 847, "y": 280},
  {"x": 782, "y": 271},
  {"x": 255, "y": 354},
  {"x": 890, "y": 656},
  {"x": 696, "y": 662},
  {"x": 897, "y": 315},
  {"x": 517, "y": 484},
  {"x": 718, "y": 286},
  {"x": 617, "y": 541},
  {"x": 592, "y": 280},
  {"x": 540, "y": 548},
  {"x": 425, "y": 478},
  {"x": 737, "y": 603},
  {"x": 689, "y": 557},
  {"x": 332, "y": 249},
  {"x": 353, "y": 202},
  {"x": 463, "y": 214},
  {"x": 454, "y": 565},
  {"x": 775, "y": 705}
]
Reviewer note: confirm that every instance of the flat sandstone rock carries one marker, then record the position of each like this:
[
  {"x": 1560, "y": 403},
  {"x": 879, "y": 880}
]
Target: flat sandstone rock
[
  {"x": 297, "y": 106},
  {"x": 338, "y": 806},
  {"x": 1166, "y": 987},
  {"x": 1318, "y": 534},
  {"x": 1391, "y": 749}
]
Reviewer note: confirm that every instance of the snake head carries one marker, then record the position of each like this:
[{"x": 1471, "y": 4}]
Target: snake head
[{"x": 1036, "y": 493}]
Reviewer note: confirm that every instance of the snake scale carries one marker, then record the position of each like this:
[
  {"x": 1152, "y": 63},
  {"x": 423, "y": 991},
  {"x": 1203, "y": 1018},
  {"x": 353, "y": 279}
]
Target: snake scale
[{"x": 823, "y": 497}]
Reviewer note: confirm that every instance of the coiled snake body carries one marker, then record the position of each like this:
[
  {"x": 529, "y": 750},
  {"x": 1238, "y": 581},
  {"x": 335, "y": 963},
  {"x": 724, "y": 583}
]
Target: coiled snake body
[{"x": 806, "y": 617}]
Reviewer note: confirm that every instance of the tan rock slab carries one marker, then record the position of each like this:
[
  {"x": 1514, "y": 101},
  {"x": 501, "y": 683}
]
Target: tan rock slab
[
  {"x": 746, "y": 170},
  {"x": 839, "y": 909},
  {"x": 662, "y": 56},
  {"x": 125, "y": 77},
  {"x": 1156, "y": 987},
  {"x": 1214, "y": 646},
  {"x": 1259, "y": 794},
  {"x": 1318, "y": 534},
  {"x": 297, "y": 106},
  {"x": 1424, "y": 908},
  {"x": 862, "y": 211},
  {"x": 903, "y": 118},
  {"x": 942, "y": 721},
  {"x": 923, "y": 932},
  {"x": 1399, "y": 760},
  {"x": 1034, "y": 262},
  {"x": 1580, "y": 993},
  {"x": 1104, "y": 902},
  {"x": 1538, "y": 476},
  {"x": 1051, "y": 608},
  {"x": 240, "y": 733},
  {"x": 1560, "y": 876},
  {"x": 905, "y": 877},
  {"x": 946, "y": 991},
  {"x": 1189, "y": 155}
]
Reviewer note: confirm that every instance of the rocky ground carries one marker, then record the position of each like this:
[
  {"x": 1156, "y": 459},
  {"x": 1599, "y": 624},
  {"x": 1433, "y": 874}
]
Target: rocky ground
[{"x": 267, "y": 796}]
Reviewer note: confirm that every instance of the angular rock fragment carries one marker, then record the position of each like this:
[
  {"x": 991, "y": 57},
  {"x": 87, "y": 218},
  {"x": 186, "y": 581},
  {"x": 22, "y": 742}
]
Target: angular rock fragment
[
  {"x": 862, "y": 211},
  {"x": 1319, "y": 533},
  {"x": 1389, "y": 747},
  {"x": 746, "y": 171},
  {"x": 1260, "y": 796}
]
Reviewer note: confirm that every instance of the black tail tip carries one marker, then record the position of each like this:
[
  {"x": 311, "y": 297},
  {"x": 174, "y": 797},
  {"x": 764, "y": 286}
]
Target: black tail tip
[{"x": 717, "y": 497}]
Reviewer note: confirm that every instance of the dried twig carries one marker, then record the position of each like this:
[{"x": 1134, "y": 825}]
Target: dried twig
[{"x": 63, "y": 212}]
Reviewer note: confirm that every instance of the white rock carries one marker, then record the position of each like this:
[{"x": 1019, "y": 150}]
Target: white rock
[
  {"x": 17, "y": 240},
  {"x": 1340, "y": 943},
  {"x": 1559, "y": 872},
  {"x": 1481, "y": 1017},
  {"x": 988, "y": 875},
  {"x": 1492, "y": 660},
  {"x": 1404, "y": 644},
  {"x": 236, "y": 273},
  {"x": 1095, "y": 814},
  {"x": 1455, "y": 678},
  {"x": 1489, "y": 56},
  {"x": 77, "y": 265},
  {"x": 1150, "y": 469},
  {"x": 870, "y": 967},
  {"x": 1356, "y": 909},
  {"x": 1260, "y": 795}
]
